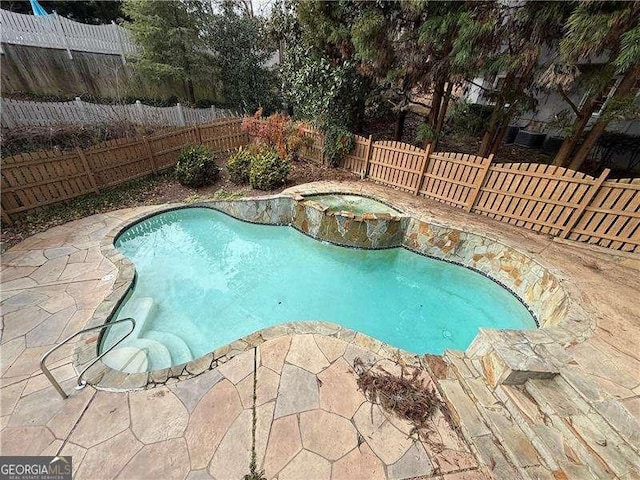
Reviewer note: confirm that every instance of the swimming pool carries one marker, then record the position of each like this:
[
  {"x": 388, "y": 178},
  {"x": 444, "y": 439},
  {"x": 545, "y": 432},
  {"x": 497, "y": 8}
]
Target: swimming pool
[{"x": 205, "y": 279}]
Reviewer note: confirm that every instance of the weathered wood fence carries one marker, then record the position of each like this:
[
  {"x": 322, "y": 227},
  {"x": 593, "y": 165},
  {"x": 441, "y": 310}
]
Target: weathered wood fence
[
  {"x": 32, "y": 180},
  {"x": 19, "y": 113},
  {"x": 54, "y": 31},
  {"x": 543, "y": 198}
]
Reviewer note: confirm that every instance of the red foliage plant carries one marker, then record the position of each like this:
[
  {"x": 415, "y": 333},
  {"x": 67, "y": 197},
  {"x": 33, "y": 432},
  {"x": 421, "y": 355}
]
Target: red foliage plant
[{"x": 278, "y": 132}]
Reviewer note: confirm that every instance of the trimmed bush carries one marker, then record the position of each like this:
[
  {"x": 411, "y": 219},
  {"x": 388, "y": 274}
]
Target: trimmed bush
[
  {"x": 268, "y": 170},
  {"x": 196, "y": 167},
  {"x": 239, "y": 164}
]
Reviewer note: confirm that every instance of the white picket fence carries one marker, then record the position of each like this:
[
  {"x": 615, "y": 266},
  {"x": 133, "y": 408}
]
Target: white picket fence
[
  {"x": 19, "y": 113},
  {"x": 54, "y": 31}
]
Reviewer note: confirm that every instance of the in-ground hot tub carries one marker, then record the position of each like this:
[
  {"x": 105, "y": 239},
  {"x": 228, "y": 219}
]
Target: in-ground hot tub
[
  {"x": 205, "y": 279},
  {"x": 349, "y": 220},
  {"x": 356, "y": 204}
]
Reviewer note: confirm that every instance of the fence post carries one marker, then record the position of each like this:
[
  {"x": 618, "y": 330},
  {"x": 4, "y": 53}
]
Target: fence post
[
  {"x": 61, "y": 34},
  {"x": 152, "y": 160},
  {"x": 6, "y": 219},
  {"x": 578, "y": 212},
  {"x": 119, "y": 41},
  {"x": 427, "y": 155},
  {"x": 140, "y": 112},
  {"x": 479, "y": 182},
  {"x": 367, "y": 159},
  {"x": 85, "y": 164},
  {"x": 181, "y": 115},
  {"x": 83, "y": 110},
  {"x": 196, "y": 130}
]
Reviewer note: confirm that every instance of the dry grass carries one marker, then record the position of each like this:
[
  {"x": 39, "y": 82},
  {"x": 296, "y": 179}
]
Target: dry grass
[{"x": 410, "y": 396}]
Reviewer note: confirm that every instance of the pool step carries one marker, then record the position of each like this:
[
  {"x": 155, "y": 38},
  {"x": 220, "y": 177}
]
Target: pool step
[
  {"x": 543, "y": 427},
  {"x": 178, "y": 349},
  {"x": 141, "y": 310},
  {"x": 127, "y": 359}
]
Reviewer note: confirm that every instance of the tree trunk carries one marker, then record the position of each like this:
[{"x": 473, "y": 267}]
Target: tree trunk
[
  {"x": 400, "y": 120},
  {"x": 568, "y": 144},
  {"x": 624, "y": 88},
  {"x": 497, "y": 141},
  {"x": 432, "y": 118},
  {"x": 490, "y": 133},
  {"x": 442, "y": 114},
  {"x": 191, "y": 96},
  {"x": 563, "y": 156}
]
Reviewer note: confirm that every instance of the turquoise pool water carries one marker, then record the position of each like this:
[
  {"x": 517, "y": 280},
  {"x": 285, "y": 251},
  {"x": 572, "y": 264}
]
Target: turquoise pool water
[
  {"x": 205, "y": 279},
  {"x": 356, "y": 204}
]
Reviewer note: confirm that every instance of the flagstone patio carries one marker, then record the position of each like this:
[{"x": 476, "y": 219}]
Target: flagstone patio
[{"x": 312, "y": 420}]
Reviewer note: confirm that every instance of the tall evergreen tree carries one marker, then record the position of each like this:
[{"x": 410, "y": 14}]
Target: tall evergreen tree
[{"x": 170, "y": 37}]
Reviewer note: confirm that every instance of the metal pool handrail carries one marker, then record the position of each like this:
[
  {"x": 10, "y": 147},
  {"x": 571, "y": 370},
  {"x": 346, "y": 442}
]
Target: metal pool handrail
[{"x": 82, "y": 383}]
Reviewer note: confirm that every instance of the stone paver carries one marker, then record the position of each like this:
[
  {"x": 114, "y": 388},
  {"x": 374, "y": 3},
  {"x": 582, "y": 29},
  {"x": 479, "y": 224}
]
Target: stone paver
[
  {"x": 284, "y": 444},
  {"x": 273, "y": 353},
  {"x": 167, "y": 419},
  {"x": 327, "y": 434},
  {"x": 209, "y": 422},
  {"x": 304, "y": 353},
  {"x": 54, "y": 281},
  {"x": 298, "y": 391},
  {"x": 306, "y": 465},
  {"x": 105, "y": 460},
  {"x": 359, "y": 464},
  {"x": 339, "y": 392}
]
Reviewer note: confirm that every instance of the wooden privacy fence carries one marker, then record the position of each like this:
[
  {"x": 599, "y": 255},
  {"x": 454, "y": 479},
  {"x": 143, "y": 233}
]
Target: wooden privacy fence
[
  {"x": 543, "y": 198},
  {"x": 54, "y": 31},
  {"x": 41, "y": 178},
  {"x": 19, "y": 113}
]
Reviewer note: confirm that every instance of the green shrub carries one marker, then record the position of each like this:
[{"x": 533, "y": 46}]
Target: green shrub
[
  {"x": 239, "y": 163},
  {"x": 338, "y": 143},
  {"x": 268, "y": 170},
  {"x": 196, "y": 167}
]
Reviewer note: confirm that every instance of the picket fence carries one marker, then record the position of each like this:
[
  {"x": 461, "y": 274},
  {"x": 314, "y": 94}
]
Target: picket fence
[
  {"x": 54, "y": 31},
  {"x": 550, "y": 200},
  {"x": 20, "y": 113}
]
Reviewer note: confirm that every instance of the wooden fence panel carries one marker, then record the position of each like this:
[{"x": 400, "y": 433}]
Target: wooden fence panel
[
  {"x": 42, "y": 178},
  {"x": 537, "y": 197},
  {"x": 121, "y": 161},
  {"x": 356, "y": 161},
  {"x": 315, "y": 151},
  {"x": 397, "y": 164},
  {"x": 613, "y": 218},
  {"x": 452, "y": 177}
]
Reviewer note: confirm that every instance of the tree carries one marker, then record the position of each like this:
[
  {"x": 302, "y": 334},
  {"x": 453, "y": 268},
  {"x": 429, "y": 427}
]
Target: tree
[
  {"x": 319, "y": 81},
  {"x": 608, "y": 32},
  {"x": 507, "y": 41},
  {"x": 241, "y": 49},
  {"x": 170, "y": 37}
]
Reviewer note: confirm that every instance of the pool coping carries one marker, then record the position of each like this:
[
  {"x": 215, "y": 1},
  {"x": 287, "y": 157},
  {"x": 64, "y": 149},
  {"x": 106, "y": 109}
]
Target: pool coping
[{"x": 103, "y": 377}]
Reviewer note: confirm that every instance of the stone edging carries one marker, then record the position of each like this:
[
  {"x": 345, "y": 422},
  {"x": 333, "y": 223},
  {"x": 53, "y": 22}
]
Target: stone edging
[{"x": 103, "y": 377}]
